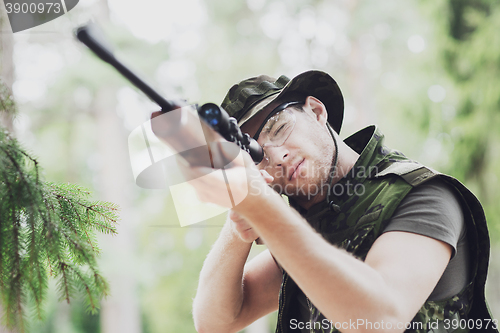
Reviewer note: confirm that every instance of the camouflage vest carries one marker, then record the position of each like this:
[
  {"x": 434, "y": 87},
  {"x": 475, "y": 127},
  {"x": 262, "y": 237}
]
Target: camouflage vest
[{"x": 360, "y": 207}]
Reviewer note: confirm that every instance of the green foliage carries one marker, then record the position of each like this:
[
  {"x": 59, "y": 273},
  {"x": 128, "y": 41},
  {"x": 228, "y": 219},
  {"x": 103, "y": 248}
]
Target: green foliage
[
  {"x": 46, "y": 230},
  {"x": 6, "y": 100},
  {"x": 468, "y": 46}
]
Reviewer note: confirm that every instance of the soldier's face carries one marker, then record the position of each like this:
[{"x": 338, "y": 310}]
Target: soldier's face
[{"x": 301, "y": 165}]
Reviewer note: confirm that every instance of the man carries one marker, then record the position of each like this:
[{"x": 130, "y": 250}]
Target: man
[{"x": 372, "y": 241}]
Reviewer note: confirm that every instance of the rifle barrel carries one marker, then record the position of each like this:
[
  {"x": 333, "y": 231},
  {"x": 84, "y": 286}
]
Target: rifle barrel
[{"x": 91, "y": 36}]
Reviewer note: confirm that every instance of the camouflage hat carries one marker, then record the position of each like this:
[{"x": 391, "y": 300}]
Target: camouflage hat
[{"x": 242, "y": 98}]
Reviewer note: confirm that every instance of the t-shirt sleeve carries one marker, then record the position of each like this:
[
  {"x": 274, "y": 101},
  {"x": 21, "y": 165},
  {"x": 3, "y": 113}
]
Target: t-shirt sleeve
[{"x": 433, "y": 210}]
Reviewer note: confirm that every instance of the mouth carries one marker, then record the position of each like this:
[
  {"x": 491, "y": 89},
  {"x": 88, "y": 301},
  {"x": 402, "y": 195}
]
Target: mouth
[{"x": 295, "y": 170}]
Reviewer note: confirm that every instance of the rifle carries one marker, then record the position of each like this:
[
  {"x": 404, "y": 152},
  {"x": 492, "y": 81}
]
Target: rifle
[{"x": 176, "y": 124}]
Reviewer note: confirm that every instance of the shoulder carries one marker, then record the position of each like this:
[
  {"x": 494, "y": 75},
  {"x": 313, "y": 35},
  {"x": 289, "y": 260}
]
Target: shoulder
[{"x": 431, "y": 209}]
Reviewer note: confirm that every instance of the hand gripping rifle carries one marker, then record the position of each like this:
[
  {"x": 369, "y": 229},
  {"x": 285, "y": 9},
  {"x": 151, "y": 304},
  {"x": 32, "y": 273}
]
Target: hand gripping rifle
[{"x": 180, "y": 129}]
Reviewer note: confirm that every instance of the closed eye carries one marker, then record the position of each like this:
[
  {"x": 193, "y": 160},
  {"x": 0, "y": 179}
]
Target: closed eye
[{"x": 278, "y": 130}]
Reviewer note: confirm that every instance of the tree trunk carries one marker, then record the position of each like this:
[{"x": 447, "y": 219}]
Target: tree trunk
[
  {"x": 7, "y": 76},
  {"x": 6, "y": 63},
  {"x": 359, "y": 82},
  {"x": 120, "y": 311}
]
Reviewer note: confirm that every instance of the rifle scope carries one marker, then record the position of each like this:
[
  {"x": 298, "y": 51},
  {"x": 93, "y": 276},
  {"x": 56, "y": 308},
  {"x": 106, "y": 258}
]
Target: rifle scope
[{"x": 228, "y": 127}]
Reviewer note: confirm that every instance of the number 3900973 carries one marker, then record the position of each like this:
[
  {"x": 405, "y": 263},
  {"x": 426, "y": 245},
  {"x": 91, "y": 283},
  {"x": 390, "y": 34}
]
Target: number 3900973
[
  {"x": 470, "y": 323},
  {"x": 33, "y": 8}
]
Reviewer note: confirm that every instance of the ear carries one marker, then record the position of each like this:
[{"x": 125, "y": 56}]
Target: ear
[{"x": 318, "y": 108}]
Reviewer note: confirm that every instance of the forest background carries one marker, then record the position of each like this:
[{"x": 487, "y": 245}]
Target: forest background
[{"x": 425, "y": 71}]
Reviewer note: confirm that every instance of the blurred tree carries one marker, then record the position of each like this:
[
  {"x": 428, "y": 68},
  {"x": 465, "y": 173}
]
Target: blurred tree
[
  {"x": 211, "y": 45},
  {"x": 7, "y": 63},
  {"x": 468, "y": 46},
  {"x": 466, "y": 121},
  {"x": 120, "y": 311},
  {"x": 46, "y": 229}
]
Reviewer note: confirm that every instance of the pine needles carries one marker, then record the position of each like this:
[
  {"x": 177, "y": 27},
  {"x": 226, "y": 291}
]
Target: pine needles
[
  {"x": 47, "y": 231},
  {"x": 7, "y": 104}
]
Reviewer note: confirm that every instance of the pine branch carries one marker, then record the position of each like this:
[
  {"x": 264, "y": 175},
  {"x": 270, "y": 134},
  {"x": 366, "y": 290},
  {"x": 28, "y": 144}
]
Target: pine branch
[
  {"x": 46, "y": 230},
  {"x": 7, "y": 104}
]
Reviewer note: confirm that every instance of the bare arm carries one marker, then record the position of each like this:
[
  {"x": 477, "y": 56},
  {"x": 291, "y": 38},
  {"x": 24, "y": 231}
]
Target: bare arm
[
  {"x": 230, "y": 294},
  {"x": 396, "y": 278},
  {"x": 399, "y": 273}
]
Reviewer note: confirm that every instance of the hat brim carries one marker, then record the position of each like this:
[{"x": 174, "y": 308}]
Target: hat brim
[{"x": 311, "y": 83}]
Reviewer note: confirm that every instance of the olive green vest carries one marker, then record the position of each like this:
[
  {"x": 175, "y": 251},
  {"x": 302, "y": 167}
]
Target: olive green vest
[{"x": 360, "y": 207}]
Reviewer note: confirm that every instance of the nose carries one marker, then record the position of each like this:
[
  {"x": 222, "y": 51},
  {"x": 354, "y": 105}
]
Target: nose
[{"x": 277, "y": 155}]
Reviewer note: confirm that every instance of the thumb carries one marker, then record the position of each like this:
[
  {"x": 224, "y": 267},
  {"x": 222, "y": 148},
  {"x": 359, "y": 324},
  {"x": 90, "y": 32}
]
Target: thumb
[{"x": 267, "y": 177}]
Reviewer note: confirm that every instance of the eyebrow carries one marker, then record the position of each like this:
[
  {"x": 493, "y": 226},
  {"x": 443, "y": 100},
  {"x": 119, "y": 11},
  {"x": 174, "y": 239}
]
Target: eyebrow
[
  {"x": 275, "y": 111},
  {"x": 272, "y": 123}
]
